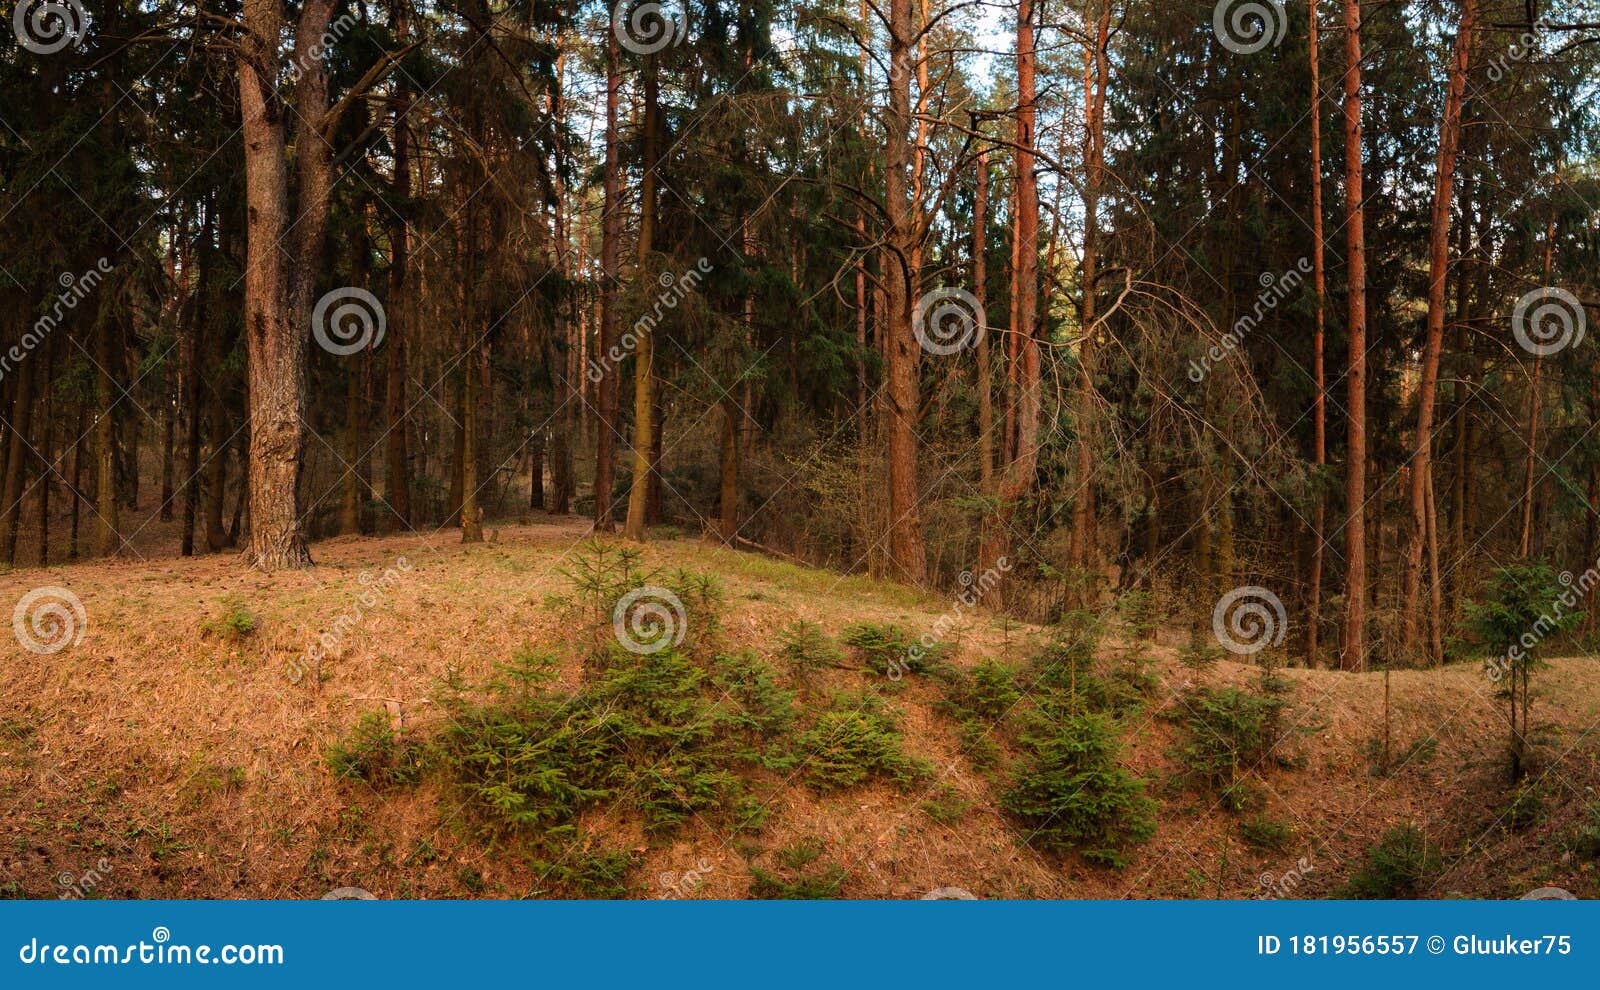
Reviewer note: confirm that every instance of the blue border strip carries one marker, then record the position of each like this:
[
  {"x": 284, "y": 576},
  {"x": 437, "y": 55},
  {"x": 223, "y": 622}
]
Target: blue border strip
[{"x": 701, "y": 944}]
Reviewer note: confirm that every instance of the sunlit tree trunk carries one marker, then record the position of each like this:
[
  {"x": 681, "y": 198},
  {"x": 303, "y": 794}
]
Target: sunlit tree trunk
[
  {"x": 1438, "y": 273},
  {"x": 1354, "y": 655},
  {"x": 644, "y": 376},
  {"x": 907, "y": 552},
  {"x": 610, "y": 238}
]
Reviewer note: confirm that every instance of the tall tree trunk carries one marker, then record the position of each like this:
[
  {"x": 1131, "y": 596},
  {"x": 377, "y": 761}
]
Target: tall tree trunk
[
  {"x": 1025, "y": 405},
  {"x": 980, "y": 288},
  {"x": 278, "y": 289},
  {"x": 644, "y": 376},
  {"x": 397, "y": 467},
  {"x": 46, "y": 446},
  {"x": 18, "y": 451},
  {"x": 169, "y": 430},
  {"x": 610, "y": 241},
  {"x": 1438, "y": 273},
  {"x": 1354, "y": 655},
  {"x": 1095, "y": 78},
  {"x": 77, "y": 481},
  {"x": 907, "y": 552},
  {"x": 191, "y": 353},
  {"x": 472, "y": 371},
  {"x": 1319, "y": 423},
  {"x": 1530, "y": 437},
  {"x": 108, "y": 538}
]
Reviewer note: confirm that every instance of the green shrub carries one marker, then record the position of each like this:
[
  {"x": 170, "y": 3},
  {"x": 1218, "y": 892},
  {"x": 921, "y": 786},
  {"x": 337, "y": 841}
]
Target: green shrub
[
  {"x": 890, "y": 650},
  {"x": 755, "y": 707},
  {"x": 643, "y": 730},
  {"x": 1227, "y": 732},
  {"x": 1266, "y": 834},
  {"x": 1586, "y": 843},
  {"x": 1396, "y": 867},
  {"x": 1067, "y": 678},
  {"x": 946, "y": 805},
  {"x": 852, "y": 740},
  {"x": 1520, "y": 600},
  {"x": 375, "y": 753},
  {"x": 1071, "y": 794},
  {"x": 1524, "y": 810},
  {"x": 798, "y": 876},
  {"x": 805, "y": 647},
  {"x": 235, "y": 623}
]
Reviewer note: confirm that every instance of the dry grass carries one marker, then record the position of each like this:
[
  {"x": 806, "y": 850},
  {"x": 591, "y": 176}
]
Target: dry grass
[{"x": 187, "y": 759}]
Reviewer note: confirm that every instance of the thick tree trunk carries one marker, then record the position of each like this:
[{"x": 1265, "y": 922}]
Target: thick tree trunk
[
  {"x": 1438, "y": 273},
  {"x": 46, "y": 465},
  {"x": 907, "y": 553},
  {"x": 278, "y": 289},
  {"x": 644, "y": 379},
  {"x": 1354, "y": 656},
  {"x": 1025, "y": 405}
]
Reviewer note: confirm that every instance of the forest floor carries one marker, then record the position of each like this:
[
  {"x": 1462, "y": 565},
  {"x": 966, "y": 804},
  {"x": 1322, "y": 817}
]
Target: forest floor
[{"x": 174, "y": 758}]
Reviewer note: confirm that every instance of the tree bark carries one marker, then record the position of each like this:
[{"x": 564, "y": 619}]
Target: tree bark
[
  {"x": 1354, "y": 655},
  {"x": 907, "y": 552},
  {"x": 644, "y": 383},
  {"x": 17, "y": 454},
  {"x": 1438, "y": 273},
  {"x": 1319, "y": 424},
  {"x": 610, "y": 241},
  {"x": 277, "y": 288}
]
